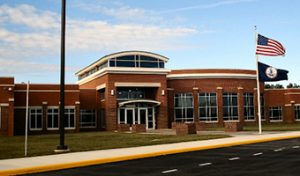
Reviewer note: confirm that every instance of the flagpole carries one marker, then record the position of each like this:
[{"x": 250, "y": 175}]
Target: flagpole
[
  {"x": 258, "y": 87},
  {"x": 26, "y": 120}
]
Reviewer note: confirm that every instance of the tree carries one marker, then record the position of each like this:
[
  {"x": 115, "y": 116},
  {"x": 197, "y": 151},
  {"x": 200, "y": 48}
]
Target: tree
[{"x": 293, "y": 85}]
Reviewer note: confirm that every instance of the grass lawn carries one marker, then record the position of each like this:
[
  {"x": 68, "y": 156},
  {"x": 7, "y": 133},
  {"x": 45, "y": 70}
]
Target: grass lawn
[
  {"x": 274, "y": 127},
  {"x": 13, "y": 147},
  {"x": 265, "y": 127}
]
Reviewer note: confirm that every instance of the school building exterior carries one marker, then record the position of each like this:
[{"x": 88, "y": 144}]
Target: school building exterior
[{"x": 134, "y": 87}]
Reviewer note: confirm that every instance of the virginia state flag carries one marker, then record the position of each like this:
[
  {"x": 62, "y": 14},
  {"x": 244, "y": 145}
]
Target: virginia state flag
[{"x": 269, "y": 73}]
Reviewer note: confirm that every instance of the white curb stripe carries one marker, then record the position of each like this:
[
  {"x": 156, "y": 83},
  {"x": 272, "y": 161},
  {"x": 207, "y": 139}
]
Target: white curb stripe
[{"x": 169, "y": 171}]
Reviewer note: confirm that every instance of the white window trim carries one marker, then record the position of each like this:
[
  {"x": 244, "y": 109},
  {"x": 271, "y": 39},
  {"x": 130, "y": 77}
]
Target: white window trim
[
  {"x": 35, "y": 129},
  {"x": 245, "y": 119},
  {"x": 52, "y": 107},
  {"x": 186, "y": 120},
  {"x": 297, "y": 107},
  {"x": 231, "y": 107},
  {"x": 277, "y": 108},
  {"x": 209, "y": 121},
  {"x": 71, "y": 128}
]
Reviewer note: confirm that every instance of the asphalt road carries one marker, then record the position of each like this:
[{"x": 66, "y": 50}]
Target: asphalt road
[{"x": 261, "y": 159}]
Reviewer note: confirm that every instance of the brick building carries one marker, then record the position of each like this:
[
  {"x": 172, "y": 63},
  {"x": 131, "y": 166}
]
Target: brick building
[{"x": 134, "y": 87}]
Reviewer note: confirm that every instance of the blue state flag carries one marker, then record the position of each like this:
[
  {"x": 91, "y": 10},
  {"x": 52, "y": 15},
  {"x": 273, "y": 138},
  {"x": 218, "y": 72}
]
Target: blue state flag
[{"x": 269, "y": 73}]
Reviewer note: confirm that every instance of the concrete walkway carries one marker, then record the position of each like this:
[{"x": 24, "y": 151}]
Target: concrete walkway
[{"x": 76, "y": 159}]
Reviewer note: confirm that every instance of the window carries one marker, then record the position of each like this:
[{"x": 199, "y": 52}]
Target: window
[
  {"x": 130, "y": 93},
  {"x": 297, "y": 112},
  {"x": 52, "y": 118},
  {"x": 208, "y": 107},
  {"x": 35, "y": 115},
  {"x": 136, "y": 61},
  {"x": 262, "y": 107},
  {"x": 275, "y": 113},
  {"x": 87, "y": 118},
  {"x": 184, "y": 108},
  {"x": 69, "y": 118},
  {"x": 102, "y": 94},
  {"x": 249, "y": 107},
  {"x": 230, "y": 106},
  {"x": 0, "y": 117}
]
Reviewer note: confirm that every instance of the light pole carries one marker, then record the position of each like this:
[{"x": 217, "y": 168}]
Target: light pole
[{"x": 62, "y": 147}]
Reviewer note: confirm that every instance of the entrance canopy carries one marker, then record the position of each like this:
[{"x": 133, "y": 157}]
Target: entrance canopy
[{"x": 156, "y": 103}]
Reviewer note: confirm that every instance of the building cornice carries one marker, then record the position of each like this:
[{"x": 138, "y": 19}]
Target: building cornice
[
  {"x": 211, "y": 75},
  {"x": 123, "y": 70}
]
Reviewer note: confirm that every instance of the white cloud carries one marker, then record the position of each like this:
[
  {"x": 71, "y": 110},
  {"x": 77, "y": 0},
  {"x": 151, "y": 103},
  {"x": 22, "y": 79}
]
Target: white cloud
[
  {"x": 120, "y": 12},
  {"x": 207, "y": 6},
  {"x": 29, "y": 36}
]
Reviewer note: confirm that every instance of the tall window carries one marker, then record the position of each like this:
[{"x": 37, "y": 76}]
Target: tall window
[
  {"x": 36, "y": 115},
  {"x": 52, "y": 118},
  {"x": 275, "y": 113},
  {"x": 230, "y": 106},
  {"x": 208, "y": 107},
  {"x": 87, "y": 118},
  {"x": 248, "y": 107},
  {"x": 69, "y": 118},
  {"x": 184, "y": 109},
  {"x": 297, "y": 112},
  {"x": 262, "y": 106},
  {"x": 0, "y": 117}
]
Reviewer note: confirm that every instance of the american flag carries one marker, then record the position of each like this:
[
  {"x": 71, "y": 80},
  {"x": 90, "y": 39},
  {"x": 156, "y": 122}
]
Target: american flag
[{"x": 269, "y": 47}]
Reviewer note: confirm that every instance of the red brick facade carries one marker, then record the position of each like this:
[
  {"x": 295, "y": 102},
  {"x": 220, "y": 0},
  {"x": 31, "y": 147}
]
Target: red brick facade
[{"x": 98, "y": 93}]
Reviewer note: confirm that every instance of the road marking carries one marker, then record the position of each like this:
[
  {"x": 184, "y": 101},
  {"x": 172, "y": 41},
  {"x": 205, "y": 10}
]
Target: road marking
[
  {"x": 205, "y": 164},
  {"x": 169, "y": 171},
  {"x": 295, "y": 147},
  {"x": 257, "y": 154},
  {"x": 235, "y": 158},
  {"x": 279, "y": 150}
]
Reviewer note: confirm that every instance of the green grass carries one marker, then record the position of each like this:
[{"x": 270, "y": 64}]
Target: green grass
[
  {"x": 13, "y": 147},
  {"x": 274, "y": 127},
  {"x": 265, "y": 127}
]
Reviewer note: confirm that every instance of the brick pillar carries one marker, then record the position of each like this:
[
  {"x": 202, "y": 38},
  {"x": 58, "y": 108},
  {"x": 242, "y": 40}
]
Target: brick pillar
[
  {"x": 289, "y": 113},
  {"x": 111, "y": 108},
  {"x": 162, "y": 110},
  {"x": 11, "y": 117},
  {"x": 170, "y": 94},
  {"x": 241, "y": 105},
  {"x": 77, "y": 116},
  {"x": 196, "y": 104},
  {"x": 44, "y": 117},
  {"x": 220, "y": 105}
]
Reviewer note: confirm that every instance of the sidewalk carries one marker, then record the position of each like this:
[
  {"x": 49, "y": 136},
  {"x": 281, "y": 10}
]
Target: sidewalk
[{"x": 69, "y": 160}]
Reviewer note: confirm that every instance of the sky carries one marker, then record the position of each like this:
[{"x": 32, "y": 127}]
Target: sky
[{"x": 193, "y": 34}]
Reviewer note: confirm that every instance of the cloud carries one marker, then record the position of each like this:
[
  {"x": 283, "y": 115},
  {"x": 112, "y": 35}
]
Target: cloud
[
  {"x": 206, "y": 6},
  {"x": 121, "y": 12},
  {"x": 11, "y": 66},
  {"x": 29, "y": 37}
]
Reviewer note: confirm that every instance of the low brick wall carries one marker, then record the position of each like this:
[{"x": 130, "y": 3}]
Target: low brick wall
[
  {"x": 233, "y": 127},
  {"x": 200, "y": 126},
  {"x": 185, "y": 128},
  {"x": 123, "y": 127},
  {"x": 138, "y": 128}
]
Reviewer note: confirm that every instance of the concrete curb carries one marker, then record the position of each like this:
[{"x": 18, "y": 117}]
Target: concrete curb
[{"x": 53, "y": 167}]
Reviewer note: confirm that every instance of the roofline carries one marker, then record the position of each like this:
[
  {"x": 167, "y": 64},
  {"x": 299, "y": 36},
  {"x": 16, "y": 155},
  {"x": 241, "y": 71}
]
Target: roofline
[{"x": 106, "y": 57}]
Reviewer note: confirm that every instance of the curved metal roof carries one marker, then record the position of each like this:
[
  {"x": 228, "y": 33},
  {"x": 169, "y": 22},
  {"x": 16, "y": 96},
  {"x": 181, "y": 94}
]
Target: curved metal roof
[{"x": 123, "y": 53}]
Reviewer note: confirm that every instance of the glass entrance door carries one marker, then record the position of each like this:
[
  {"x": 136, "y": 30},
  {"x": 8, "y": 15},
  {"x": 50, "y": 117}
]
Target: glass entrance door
[
  {"x": 142, "y": 116},
  {"x": 129, "y": 116}
]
